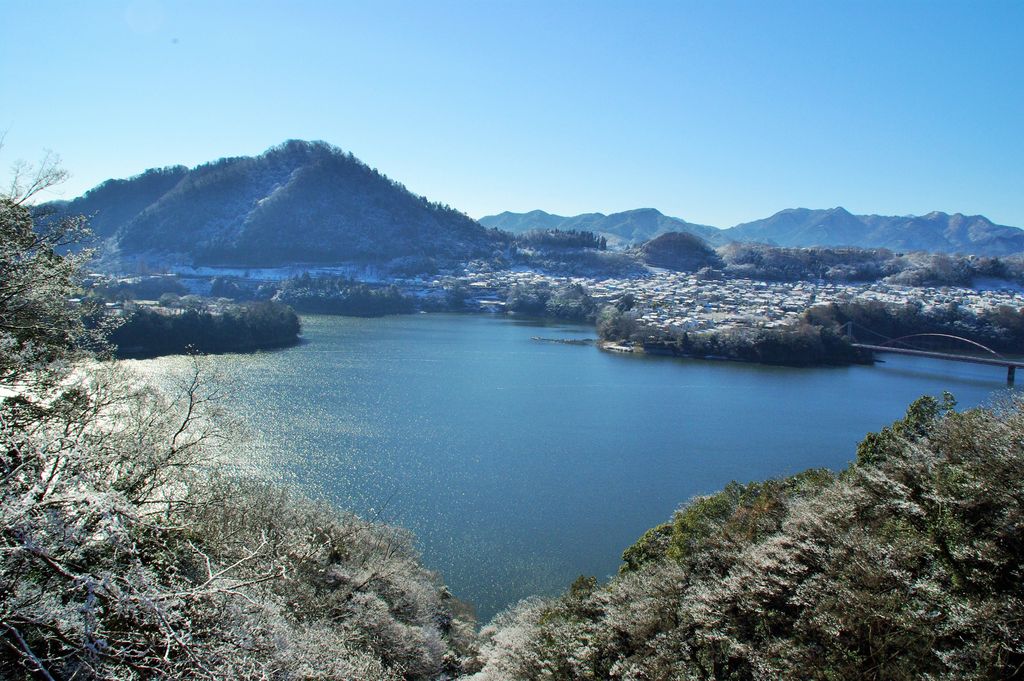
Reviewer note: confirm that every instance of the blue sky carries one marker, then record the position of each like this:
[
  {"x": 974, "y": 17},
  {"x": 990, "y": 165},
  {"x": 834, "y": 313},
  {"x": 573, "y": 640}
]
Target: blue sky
[{"x": 716, "y": 112}]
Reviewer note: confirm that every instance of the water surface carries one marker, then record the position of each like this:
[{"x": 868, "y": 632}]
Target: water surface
[{"x": 520, "y": 464}]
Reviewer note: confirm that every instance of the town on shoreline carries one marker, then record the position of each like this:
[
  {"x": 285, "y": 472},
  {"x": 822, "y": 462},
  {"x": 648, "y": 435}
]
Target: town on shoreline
[
  {"x": 665, "y": 300},
  {"x": 664, "y": 304}
]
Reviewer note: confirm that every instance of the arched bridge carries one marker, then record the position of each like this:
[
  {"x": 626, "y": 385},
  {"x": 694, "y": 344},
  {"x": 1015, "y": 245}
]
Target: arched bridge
[{"x": 903, "y": 346}]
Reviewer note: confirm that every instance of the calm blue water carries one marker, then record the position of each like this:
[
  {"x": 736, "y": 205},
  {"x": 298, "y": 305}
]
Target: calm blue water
[{"x": 520, "y": 464}]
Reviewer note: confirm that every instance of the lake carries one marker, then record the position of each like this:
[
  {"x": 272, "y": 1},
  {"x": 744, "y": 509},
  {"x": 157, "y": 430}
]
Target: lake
[{"x": 521, "y": 464}]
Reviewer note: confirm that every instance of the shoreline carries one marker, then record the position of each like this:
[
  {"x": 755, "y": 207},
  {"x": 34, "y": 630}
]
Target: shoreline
[{"x": 639, "y": 349}]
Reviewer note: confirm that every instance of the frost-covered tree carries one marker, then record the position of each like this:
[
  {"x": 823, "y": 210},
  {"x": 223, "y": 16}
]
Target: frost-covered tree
[
  {"x": 127, "y": 551},
  {"x": 907, "y": 565},
  {"x": 125, "y": 555},
  {"x": 38, "y": 327}
]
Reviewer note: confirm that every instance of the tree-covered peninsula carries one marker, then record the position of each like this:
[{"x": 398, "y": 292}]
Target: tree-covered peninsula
[
  {"x": 244, "y": 327},
  {"x": 798, "y": 344}
]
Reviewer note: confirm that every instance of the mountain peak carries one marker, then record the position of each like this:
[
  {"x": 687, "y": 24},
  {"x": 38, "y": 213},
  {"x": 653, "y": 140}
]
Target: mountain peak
[
  {"x": 936, "y": 232},
  {"x": 297, "y": 146},
  {"x": 296, "y": 203}
]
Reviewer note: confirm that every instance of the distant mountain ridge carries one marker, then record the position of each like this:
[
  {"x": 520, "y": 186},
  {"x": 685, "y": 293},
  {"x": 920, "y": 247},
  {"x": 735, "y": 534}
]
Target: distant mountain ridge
[
  {"x": 936, "y": 232},
  {"x": 796, "y": 227},
  {"x": 621, "y": 229},
  {"x": 299, "y": 202},
  {"x": 311, "y": 203}
]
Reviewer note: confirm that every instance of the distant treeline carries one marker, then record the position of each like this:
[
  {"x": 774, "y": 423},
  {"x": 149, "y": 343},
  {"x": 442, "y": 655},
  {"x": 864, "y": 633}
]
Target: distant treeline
[
  {"x": 142, "y": 288},
  {"x": 571, "y": 303},
  {"x": 240, "y": 328},
  {"x": 574, "y": 252},
  {"x": 1001, "y": 328},
  {"x": 557, "y": 238},
  {"x": 339, "y": 295},
  {"x": 772, "y": 263},
  {"x": 586, "y": 262}
]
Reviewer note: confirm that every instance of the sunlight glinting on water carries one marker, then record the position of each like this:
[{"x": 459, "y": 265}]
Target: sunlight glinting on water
[{"x": 520, "y": 465}]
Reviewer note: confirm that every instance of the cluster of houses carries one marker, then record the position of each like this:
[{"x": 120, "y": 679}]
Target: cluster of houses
[
  {"x": 676, "y": 301},
  {"x": 685, "y": 302}
]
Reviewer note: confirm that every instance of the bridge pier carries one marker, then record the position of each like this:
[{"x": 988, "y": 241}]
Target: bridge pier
[{"x": 998, "y": 360}]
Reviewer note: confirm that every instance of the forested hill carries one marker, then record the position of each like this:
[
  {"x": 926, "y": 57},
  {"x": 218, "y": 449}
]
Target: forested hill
[
  {"x": 935, "y": 232},
  {"x": 299, "y": 202}
]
